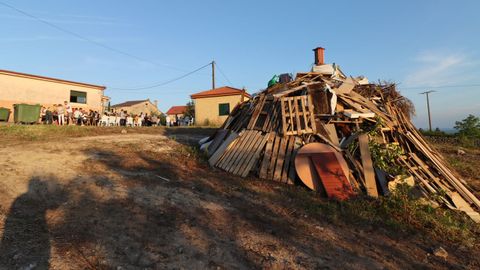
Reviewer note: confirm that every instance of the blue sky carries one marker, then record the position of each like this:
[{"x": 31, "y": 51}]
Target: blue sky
[{"x": 418, "y": 44}]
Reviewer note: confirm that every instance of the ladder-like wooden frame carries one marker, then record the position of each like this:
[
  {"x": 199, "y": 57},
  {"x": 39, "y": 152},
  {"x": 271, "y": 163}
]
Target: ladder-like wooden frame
[{"x": 297, "y": 115}]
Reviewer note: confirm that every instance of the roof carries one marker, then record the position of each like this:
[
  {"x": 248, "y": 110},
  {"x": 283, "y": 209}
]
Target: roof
[
  {"x": 43, "y": 78},
  {"x": 218, "y": 92},
  {"x": 177, "y": 110},
  {"x": 130, "y": 103}
]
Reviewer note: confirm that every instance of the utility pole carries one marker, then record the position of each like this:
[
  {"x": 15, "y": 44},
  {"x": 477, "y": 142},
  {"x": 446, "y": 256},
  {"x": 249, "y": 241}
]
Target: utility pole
[
  {"x": 213, "y": 74},
  {"x": 428, "y": 108}
]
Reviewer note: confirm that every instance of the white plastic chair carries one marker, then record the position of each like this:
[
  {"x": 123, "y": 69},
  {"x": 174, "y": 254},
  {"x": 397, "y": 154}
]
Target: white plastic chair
[
  {"x": 130, "y": 121},
  {"x": 111, "y": 120},
  {"x": 103, "y": 121}
]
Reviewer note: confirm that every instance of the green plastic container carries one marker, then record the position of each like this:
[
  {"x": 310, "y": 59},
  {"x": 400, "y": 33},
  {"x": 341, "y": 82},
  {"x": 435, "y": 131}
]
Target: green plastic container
[
  {"x": 27, "y": 114},
  {"x": 4, "y": 114}
]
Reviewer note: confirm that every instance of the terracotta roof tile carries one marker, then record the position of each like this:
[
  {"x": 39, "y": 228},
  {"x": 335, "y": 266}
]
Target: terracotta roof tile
[
  {"x": 177, "y": 110},
  {"x": 221, "y": 91}
]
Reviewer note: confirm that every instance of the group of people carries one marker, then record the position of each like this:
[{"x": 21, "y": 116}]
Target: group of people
[
  {"x": 179, "y": 121},
  {"x": 65, "y": 114},
  {"x": 123, "y": 118}
]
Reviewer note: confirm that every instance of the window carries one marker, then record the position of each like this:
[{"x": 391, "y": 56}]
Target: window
[
  {"x": 224, "y": 109},
  {"x": 78, "y": 97}
]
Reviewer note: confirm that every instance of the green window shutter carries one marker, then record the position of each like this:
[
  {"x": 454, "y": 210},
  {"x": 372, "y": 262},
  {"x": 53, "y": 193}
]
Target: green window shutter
[{"x": 224, "y": 109}]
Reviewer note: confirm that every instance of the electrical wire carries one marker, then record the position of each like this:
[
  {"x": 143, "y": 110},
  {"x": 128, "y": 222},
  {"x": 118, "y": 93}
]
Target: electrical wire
[
  {"x": 442, "y": 86},
  {"x": 223, "y": 74},
  {"x": 161, "y": 83},
  {"x": 107, "y": 47}
]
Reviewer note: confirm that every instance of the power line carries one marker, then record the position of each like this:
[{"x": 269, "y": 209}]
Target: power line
[
  {"x": 443, "y": 86},
  {"x": 161, "y": 83},
  {"x": 223, "y": 74},
  {"x": 107, "y": 47}
]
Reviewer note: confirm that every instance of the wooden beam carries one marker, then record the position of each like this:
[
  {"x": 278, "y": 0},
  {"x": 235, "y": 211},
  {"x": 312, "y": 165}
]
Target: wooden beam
[{"x": 367, "y": 164}]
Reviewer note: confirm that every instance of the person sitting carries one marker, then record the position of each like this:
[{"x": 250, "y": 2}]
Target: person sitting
[{"x": 48, "y": 116}]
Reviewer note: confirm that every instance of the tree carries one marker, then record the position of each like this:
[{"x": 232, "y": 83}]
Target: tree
[
  {"x": 190, "y": 111},
  {"x": 469, "y": 127}
]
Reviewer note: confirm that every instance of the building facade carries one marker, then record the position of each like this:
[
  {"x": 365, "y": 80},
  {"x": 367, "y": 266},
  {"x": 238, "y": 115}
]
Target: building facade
[
  {"x": 212, "y": 107},
  {"x": 137, "y": 107},
  {"x": 175, "y": 113},
  {"x": 18, "y": 88}
]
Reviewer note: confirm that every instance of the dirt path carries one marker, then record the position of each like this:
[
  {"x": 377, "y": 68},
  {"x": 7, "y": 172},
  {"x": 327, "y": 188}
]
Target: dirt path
[{"x": 143, "y": 201}]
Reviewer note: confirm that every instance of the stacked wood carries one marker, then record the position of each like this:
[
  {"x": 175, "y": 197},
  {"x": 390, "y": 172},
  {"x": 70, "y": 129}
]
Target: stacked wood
[{"x": 362, "y": 122}]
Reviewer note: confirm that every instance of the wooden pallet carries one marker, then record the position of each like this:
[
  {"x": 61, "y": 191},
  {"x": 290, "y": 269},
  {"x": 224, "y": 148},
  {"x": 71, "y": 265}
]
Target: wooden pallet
[
  {"x": 277, "y": 162},
  {"x": 297, "y": 115},
  {"x": 243, "y": 153}
]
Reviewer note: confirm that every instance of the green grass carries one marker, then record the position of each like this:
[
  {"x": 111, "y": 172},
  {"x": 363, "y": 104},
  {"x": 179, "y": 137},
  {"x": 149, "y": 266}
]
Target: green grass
[
  {"x": 42, "y": 132},
  {"x": 399, "y": 213}
]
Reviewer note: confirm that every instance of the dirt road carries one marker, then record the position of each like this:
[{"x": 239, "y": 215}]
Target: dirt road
[{"x": 143, "y": 201}]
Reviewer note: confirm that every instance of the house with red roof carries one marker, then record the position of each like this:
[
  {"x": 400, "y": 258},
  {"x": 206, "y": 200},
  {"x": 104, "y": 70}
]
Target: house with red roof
[
  {"x": 176, "y": 112},
  {"x": 212, "y": 107}
]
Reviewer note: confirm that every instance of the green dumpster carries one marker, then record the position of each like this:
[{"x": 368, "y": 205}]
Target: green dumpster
[
  {"x": 25, "y": 113},
  {"x": 4, "y": 114}
]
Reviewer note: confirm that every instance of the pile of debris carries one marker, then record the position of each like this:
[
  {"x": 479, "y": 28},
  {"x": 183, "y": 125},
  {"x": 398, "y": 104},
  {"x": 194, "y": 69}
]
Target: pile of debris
[{"x": 338, "y": 135}]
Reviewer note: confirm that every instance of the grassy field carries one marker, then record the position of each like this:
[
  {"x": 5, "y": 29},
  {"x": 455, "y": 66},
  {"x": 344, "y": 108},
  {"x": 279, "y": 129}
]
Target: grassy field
[
  {"x": 415, "y": 227},
  {"x": 466, "y": 165},
  {"x": 22, "y": 133}
]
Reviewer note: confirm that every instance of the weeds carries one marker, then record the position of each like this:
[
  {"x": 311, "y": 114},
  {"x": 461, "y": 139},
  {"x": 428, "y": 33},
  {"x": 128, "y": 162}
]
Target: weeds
[{"x": 400, "y": 212}]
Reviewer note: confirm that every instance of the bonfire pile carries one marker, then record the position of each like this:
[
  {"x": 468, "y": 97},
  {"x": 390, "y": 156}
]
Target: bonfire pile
[{"x": 338, "y": 135}]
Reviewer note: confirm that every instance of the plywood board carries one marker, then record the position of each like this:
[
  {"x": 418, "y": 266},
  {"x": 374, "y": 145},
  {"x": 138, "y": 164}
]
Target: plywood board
[
  {"x": 367, "y": 166},
  {"x": 331, "y": 175}
]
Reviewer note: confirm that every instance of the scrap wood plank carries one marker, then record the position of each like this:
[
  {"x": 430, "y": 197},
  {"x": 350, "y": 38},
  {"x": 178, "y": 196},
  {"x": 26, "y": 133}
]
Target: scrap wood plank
[
  {"x": 425, "y": 183},
  {"x": 291, "y": 90},
  {"x": 332, "y": 176},
  {"x": 291, "y": 116},
  {"x": 247, "y": 152},
  {"x": 228, "y": 153},
  {"x": 233, "y": 152},
  {"x": 273, "y": 160},
  {"x": 357, "y": 166},
  {"x": 304, "y": 114},
  {"x": 427, "y": 171},
  {"x": 273, "y": 123},
  {"x": 462, "y": 205},
  {"x": 217, "y": 141},
  {"x": 284, "y": 119},
  {"x": 292, "y": 174},
  {"x": 367, "y": 165},
  {"x": 295, "y": 120},
  {"x": 256, "y": 112},
  {"x": 277, "y": 175},
  {"x": 288, "y": 158},
  {"x": 332, "y": 134},
  {"x": 297, "y": 116},
  {"x": 221, "y": 149},
  {"x": 255, "y": 156},
  {"x": 311, "y": 110},
  {"x": 442, "y": 169},
  {"x": 239, "y": 151},
  {"x": 267, "y": 154}
]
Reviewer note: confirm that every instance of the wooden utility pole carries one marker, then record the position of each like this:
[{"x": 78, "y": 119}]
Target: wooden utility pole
[
  {"x": 428, "y": 108},
  {"x": 213, "y": 74}
]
